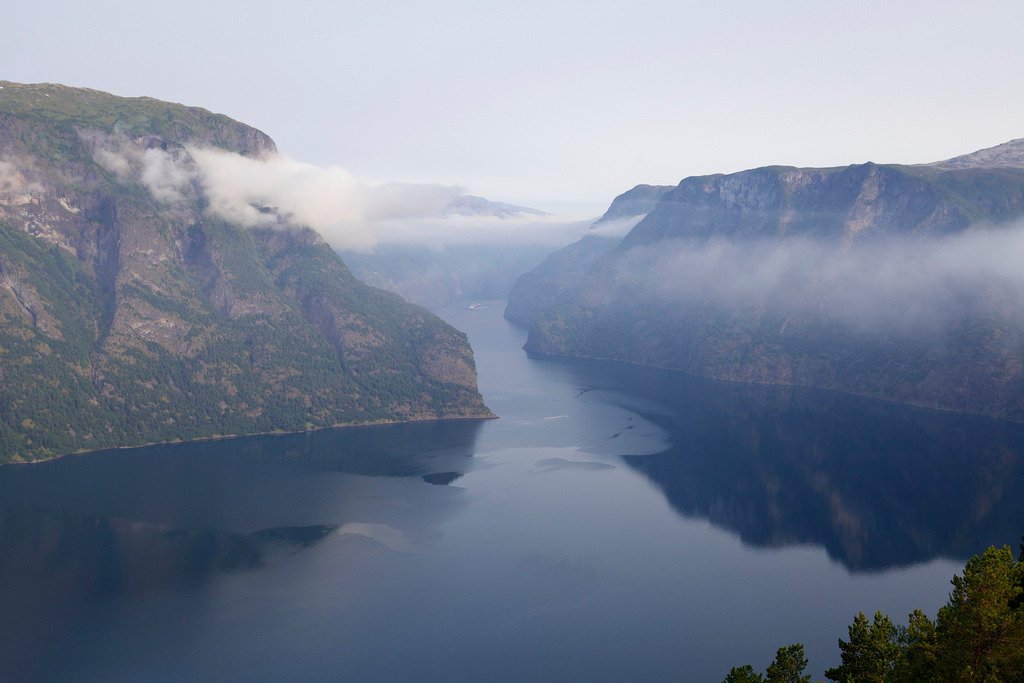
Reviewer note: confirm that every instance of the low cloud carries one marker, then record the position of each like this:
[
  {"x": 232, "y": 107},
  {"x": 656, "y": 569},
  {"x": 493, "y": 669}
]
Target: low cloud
[
  {"x": 166, "y": 173},
  {"x": 616, "y": 227},
  {"x": 893, "y": 286},
  {"x": 349, "y": 213},
  {"x": 16, "y": 184},
  {"x": 8, "y": 175},
  {"x": 440, "y": 231},
  {"x": 277, "y": 191}
]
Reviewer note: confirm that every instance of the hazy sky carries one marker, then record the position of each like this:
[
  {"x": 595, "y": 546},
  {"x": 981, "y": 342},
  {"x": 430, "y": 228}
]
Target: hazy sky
[{"x": 555, "y": 105}]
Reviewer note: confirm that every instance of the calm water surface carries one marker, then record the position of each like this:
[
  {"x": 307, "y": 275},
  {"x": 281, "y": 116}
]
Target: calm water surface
[{"x": 615, "y": 523}]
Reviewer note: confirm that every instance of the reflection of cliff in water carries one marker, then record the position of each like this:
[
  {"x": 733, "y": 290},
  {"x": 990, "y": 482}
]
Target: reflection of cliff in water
[
  {"x": 876, "y": 484},
  {"x": 104, "y": 555},
  {"x": 121, "y": 526},
  {"x": 260, "y": 475},
  {"x": 54, "y": 566}
]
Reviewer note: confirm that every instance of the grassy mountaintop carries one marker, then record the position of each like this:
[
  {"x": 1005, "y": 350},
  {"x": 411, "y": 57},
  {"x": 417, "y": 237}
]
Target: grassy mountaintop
[{"x": 54, "y": 105}]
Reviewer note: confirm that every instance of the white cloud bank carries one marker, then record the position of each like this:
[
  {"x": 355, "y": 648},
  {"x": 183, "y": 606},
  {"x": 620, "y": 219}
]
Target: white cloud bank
[
  {"x": 894, "y": 285},
  {"x": 348, "y": 212}
]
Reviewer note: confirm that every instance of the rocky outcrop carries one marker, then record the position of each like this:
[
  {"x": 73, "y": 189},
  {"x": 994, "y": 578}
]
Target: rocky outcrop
[{"x": 639, "y": 201}]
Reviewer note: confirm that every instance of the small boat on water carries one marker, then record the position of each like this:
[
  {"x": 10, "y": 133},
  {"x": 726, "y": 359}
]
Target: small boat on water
[{"x": 475, "y": 306}]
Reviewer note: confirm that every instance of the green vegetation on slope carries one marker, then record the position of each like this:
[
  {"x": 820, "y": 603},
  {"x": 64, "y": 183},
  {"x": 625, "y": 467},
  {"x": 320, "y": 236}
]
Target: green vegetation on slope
[
  {"x": 125, "y": 319},
  {"x": 58, "y": 106}
]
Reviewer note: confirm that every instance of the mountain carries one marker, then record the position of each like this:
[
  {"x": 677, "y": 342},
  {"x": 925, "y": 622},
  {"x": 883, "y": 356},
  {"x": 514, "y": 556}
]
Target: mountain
[
  {"x": 470, "y": 205},
  {"x": 131, "y": 313},
  {"x": 891, "y": 281},
  {"x": 438, "y": 274},
  {"x": 638, "y": 201},
  {"x": 537, "y": 289},
  {"x": 1007, "y": 155}
]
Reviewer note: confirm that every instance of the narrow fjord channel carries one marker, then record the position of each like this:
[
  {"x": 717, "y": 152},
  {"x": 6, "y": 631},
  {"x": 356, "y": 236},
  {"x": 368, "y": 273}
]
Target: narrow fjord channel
[{"x": 594, "y": 532}]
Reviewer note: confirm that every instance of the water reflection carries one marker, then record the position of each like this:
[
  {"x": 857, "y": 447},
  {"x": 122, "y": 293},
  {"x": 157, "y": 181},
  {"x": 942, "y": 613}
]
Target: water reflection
[
  {"x": 878, "y": 485},
  {"x": 106, "y": 555},
  {"x": 82, "y": 531},
  {"x": 266, "y": 480}
]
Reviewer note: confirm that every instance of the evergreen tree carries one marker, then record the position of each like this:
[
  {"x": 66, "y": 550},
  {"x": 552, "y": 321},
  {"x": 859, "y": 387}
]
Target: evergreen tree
[
  {"x": 789, "y": 665},
  {"x": 979, "y": 632},
  {"x": 871, "y": 653},
  {"x": 743, "y": 674},
  {"x": 918, "y": 646},
  {"x": 977, "y": 636}
]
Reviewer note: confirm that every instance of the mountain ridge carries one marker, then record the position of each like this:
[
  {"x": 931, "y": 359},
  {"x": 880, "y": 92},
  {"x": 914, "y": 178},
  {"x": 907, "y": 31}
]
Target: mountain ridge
[
  {"x": 651, "y": 299},
  {"x": 131, "y": 314}
]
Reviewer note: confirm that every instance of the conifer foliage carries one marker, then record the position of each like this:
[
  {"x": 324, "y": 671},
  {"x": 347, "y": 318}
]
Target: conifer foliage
[{"x": 978, "y": 635}]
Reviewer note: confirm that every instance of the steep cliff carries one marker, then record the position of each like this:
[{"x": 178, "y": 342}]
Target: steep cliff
[
  {"x": 890, "y": 281},
  {"x": 129, "y": 313}
]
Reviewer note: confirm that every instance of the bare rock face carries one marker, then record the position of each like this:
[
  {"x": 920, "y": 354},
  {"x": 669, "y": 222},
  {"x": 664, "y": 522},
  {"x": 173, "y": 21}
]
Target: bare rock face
[
  {"x": 130, "y": 314},
  {"x": 1007, "y": 155},
  {"x": 889, "y": 281}
]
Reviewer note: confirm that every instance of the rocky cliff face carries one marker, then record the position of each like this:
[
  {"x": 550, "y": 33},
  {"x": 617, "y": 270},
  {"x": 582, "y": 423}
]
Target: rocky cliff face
[
  {"x": 871, "y": 279},
  {"x": 842, "y": 205},
  {"x": 129, "y": 314},
  {"x": 638, "y": 201}
]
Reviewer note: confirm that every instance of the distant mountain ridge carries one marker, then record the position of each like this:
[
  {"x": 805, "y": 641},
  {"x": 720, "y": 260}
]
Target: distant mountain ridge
[
  {"x": 129, "y": 314},
  {"x": 622, "y": 304},
  {"x": 471, "y": 205},
  {"x": 1007, "y": 155}
]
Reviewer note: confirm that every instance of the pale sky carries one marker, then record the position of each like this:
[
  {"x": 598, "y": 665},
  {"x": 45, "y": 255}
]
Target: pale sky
[{"x": 557, "y": 105}]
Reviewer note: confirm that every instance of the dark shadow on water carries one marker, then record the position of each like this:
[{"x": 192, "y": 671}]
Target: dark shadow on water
[
  {"x": 83, "y": 531},
  {"x": 878, "y": 485},
  {"x": 107, "y": 555},
  {"x": 179, "y": 471},
  {"x": 441, "y": 478}
]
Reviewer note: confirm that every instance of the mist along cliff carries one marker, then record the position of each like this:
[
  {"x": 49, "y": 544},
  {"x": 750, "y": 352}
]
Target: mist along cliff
[
  {"x": 898, "y": 282},
  {"x": 435, "y": 275},
  {"x": 132, "y": 313},
  {"x": 537, "y": 289}
]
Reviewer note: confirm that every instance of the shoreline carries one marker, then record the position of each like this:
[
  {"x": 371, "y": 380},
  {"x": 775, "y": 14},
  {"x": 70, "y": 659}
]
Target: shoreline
[
  {"x": 228, "y": 437},
  {"x": 555, "y": 357}
]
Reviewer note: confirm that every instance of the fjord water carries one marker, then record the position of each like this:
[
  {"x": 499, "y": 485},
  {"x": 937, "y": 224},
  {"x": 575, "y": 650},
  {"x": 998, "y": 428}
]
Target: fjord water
[{"x": 615, "y": 523}]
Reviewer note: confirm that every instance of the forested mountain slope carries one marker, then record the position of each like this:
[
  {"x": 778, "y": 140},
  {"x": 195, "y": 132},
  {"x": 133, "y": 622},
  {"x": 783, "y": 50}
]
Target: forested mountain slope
[{"x": 131, "y": 313}]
